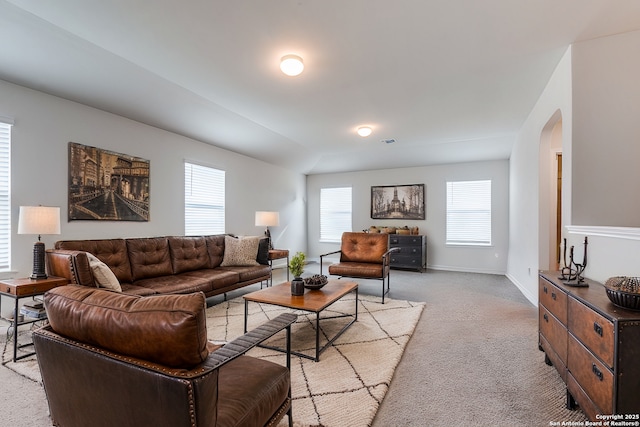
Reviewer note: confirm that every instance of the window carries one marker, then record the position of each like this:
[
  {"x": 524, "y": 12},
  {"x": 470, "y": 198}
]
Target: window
[
  {"x": 5, "y": 196},
  {"x": 203, "y": 200},
  {"x": 335, "y": 213},
  {"x": 469, "y": 213}
]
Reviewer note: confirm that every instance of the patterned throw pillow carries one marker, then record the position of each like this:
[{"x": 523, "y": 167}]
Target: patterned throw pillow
[{"x": 240, "y": 251}]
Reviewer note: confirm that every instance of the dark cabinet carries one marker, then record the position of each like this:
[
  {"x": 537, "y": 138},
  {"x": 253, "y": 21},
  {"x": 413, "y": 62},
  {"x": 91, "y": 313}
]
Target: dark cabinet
[
  {"x": 412, "y": 253},
  {"x": 593, "y": 344}
]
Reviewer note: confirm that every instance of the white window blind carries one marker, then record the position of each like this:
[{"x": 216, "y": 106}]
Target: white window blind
[
  {"x": 204, "y": 200},
  {"x": 5, "y": 196},
  {"x": 469, "y": 212},
  {"x": 335, "y": 213}
]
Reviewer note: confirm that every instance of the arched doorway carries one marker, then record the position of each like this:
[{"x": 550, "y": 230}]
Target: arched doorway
[{"x": 550, "y": 194}]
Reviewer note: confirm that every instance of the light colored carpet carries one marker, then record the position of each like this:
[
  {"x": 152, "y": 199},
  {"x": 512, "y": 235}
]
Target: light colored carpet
[
  {"x": 472, "y": 360},
  {"x": 347, "y": 385},
  {"x": 27, "y": 367},
  {"x": 353, "y": 375}
]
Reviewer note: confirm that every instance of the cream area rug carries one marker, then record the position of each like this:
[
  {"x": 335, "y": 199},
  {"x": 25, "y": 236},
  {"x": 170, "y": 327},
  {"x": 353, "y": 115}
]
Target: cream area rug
[
  {"x": 344, "y": 388},
  {"x": 349, "y": 382},
  {"x": 28, "y": 366}
]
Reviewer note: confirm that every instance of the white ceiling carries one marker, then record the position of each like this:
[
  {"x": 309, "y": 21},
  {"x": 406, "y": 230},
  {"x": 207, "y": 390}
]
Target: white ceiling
[{"x": 449, "y": 80}]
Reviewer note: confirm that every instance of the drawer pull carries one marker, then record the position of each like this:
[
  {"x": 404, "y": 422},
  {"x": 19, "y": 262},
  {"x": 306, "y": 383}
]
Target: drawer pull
[
  {"x": 553, "y": 295},
  {"x": 545, "y": 290},
  {"x": 596, "y": 371},
  {"x": 597, "y": 328},
  {"x": 545, "y": 317}
]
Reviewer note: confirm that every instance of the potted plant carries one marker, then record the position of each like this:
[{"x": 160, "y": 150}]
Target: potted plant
[{"x": 296, "y": 267}]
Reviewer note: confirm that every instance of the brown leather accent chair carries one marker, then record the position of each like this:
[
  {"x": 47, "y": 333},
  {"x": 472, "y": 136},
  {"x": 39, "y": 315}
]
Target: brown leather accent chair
[
  {"x": 109, "y": 359},
  {"x": 363, "y": 255}
]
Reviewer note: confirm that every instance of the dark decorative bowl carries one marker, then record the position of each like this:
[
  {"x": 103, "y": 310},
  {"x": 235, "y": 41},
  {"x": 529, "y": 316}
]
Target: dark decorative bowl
[
  {"x": 316, "y": 281},
  {"x": 624, "y": 291}
]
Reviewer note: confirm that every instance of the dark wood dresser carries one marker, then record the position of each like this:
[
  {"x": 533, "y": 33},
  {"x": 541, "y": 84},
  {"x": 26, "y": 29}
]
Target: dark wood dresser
[
  {"x": 412, "y": 253},
  {"x": 594, "y": 345}
]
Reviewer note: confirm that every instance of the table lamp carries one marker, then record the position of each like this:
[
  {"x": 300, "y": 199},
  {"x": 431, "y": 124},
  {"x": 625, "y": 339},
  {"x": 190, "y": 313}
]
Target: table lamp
[
  {"x": 39, "y": 220},
  {"x": 267, "y": 219}
]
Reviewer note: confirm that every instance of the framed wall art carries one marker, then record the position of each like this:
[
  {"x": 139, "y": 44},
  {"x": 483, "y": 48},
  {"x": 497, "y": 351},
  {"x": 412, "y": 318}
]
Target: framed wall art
[
  {"x": 104, "y": 185},
  {"x": 398, "y": 202}
]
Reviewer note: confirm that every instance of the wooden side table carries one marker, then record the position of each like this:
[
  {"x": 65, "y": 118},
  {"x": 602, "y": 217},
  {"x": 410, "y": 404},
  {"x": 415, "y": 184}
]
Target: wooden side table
[
  {"x": 25, "y": 288},
  {"x": 277, "y": 254}
]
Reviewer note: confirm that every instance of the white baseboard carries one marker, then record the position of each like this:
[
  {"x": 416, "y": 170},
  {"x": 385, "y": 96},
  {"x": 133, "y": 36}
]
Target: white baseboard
[
  {"x": 533, "y": 299},
  {"x": 464, "y": 270}
]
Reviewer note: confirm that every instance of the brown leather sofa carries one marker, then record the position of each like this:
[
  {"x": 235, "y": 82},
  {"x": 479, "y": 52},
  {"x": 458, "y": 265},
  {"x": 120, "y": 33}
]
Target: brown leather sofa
[
  {"x": 110, "y": 359},
  {"x": 363, "y": 255},
  {"x": 157, "y": 265}
]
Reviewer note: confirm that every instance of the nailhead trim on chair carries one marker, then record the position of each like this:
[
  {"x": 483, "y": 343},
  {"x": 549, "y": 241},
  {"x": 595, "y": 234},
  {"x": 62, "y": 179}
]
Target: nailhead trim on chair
[{"x": 275, "y": 419}]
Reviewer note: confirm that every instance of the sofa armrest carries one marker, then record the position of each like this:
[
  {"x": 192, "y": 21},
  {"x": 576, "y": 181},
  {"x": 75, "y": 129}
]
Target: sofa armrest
[
  {"x": 73, "y": 265},
  {"x": 246, "y": 342},
  {"x": 328, "y": 253}
]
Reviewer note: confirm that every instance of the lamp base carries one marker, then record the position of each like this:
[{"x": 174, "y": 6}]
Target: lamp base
[
  {"x": 38, "y": 262},
  {"x": 267, "y": 233}
]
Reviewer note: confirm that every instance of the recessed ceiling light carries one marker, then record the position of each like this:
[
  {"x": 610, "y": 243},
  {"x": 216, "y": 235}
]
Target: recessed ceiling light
[
  {"x": 364, "y": 131},
  {"x": 291, "y": 65}
]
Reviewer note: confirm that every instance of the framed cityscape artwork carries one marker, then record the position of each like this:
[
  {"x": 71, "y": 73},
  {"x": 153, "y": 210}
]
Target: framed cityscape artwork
[
  {"x": 398, "y": 202},
  {"x": 104, "y": 185}
]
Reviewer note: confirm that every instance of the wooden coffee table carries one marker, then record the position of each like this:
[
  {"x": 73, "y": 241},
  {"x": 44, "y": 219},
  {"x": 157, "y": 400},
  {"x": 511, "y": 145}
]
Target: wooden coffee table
[{"x": 313, "y": 301}]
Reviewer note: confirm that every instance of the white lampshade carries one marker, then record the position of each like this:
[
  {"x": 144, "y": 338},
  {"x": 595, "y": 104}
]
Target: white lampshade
[
  {"x": 267, "y": 219},
  {"x": 291, "y": 65},
  {"x": 39, "y": 220}
]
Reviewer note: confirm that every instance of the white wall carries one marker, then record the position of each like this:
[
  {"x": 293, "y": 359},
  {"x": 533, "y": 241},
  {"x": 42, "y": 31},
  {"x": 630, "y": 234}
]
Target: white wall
[
  {"x": 44, "y": 125},
  {"x": 611, "y": 251},
  {"x": 524, "y": 227},
  {"x": 606, "y": 151},
  {"x": 596, "y": 89},
  {"x": 439, "y": 256},
  {"x": 606, "y": 122}
]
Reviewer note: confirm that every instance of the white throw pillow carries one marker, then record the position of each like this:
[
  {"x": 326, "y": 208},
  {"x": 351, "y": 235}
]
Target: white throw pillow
[
  {"x": 103, "y": 274},
  {"x": 240, "y": 251}
]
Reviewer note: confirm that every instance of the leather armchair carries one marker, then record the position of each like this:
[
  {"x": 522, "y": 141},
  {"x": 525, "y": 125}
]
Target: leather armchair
[
  {"x": 110, "y": 359},
  {"x": 363, "y": 255}
]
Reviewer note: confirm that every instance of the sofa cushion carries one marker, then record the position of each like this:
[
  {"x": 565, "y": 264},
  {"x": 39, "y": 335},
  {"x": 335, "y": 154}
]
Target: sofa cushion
[
  {"x": 182, "y": 283},
  {"x": 112, "y": 252},
  {"x": 131, "y": 289},
  {"x": 188, "y": 253},
  {"x": 249, "y": 273},
  {"x": 215, "y": 248},
  {"x": 102, "y": 274},
  {"x": 219, "y": 278},
  {"x": 358, "y": 269},
  {"x": 238, "y": 407},
  {"x": 149, "y": 257},
  {"x": 241, "y": 251},
  {"x": 166, "y": 329}
]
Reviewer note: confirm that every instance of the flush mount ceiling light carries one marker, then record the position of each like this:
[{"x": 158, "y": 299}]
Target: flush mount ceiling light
[
  {"x": 364, "y": 131},
  {"x": 291, "y": 65}
]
